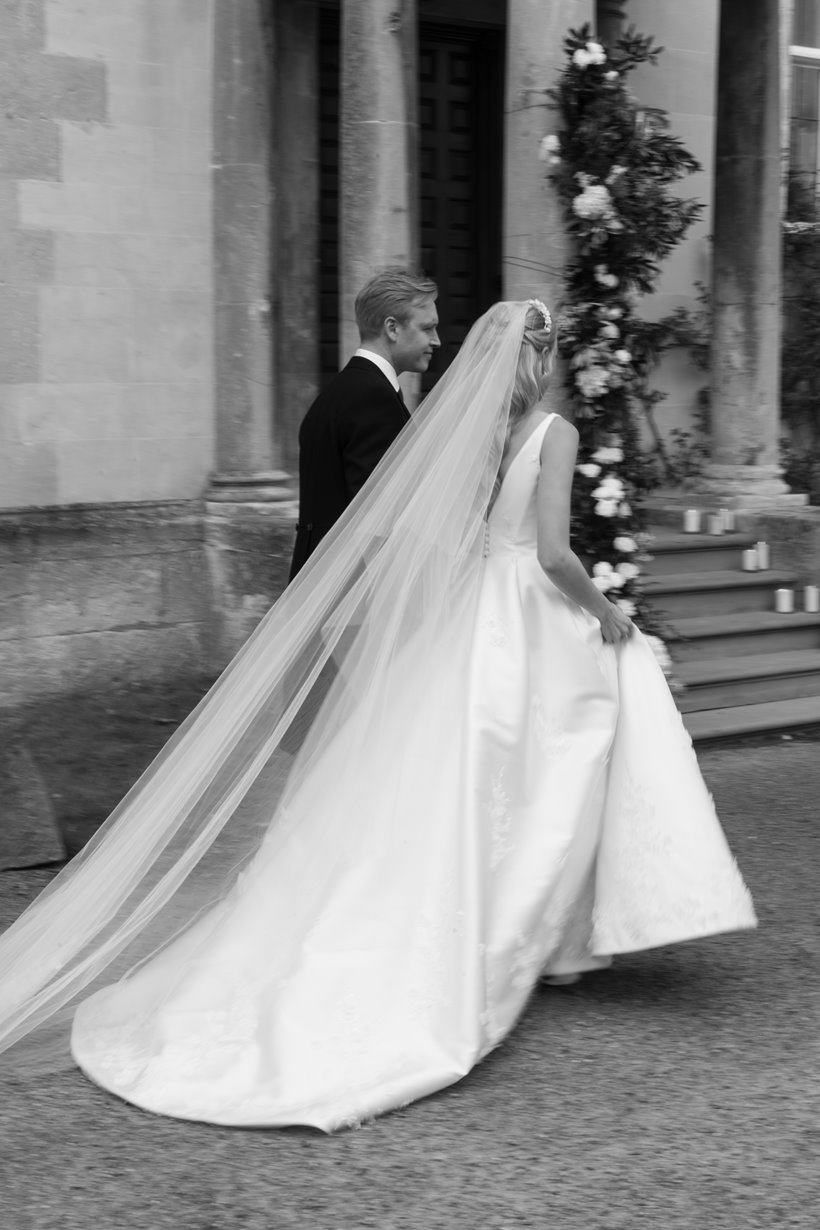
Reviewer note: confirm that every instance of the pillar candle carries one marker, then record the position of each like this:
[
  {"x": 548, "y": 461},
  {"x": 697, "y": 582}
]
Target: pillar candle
[
  {"x": 811, "y": 598},
  {"x": 748, "y": 560},
  {"x": 762, "y": 549},
  {"x": 784, "y": 601},
  {"x": 714, "y": 523},
  {"x": 691, "y": 521},
  {"x": 728, "y": 518}
]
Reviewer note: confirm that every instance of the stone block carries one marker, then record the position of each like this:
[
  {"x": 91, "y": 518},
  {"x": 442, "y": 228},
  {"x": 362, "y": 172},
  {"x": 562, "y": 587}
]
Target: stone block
[
  {"x": 97, "y": 471},
  {"x": 139, "y": 93},
  {"x": 185, "y": 587},
  {"x": 85, "y": 334},
  {"x": 29, "y": 148},
  {"x": 13, "y": 589},
  {"x": 96, "y": 29},
  {"x": 97, "y": 531},
  {"x": 65, "y": 207},
  {"x": 158, "y": 211},
  {"x": 19, "y": 350},
  {"x": 26, "y": 257},
  {"x": 84, "y": 595},
  {"x": 182, "y": 151},
  {"x": 28, "y": 475},
  {"x": 106, "y": 154},
  {"x": 176, "y": 410},
  {"x": 29, "y": 834},
  {"x": 174, "y": 469},
  {"x": 171, "y": 338},
  {"x": 121, "y": 657},
  {"x": 249, "y": 549}
]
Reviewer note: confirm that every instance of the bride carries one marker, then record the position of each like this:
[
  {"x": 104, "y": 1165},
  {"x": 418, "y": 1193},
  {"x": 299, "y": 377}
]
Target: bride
[{"x": 494, "y": 786}]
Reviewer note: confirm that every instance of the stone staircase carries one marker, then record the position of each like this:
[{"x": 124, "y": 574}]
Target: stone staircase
[{"x": 746, "y": 668}]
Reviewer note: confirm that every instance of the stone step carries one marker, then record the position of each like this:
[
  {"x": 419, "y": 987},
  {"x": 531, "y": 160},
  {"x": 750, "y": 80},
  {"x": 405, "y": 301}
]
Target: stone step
[
  {"x": 718, "y": 591},
  {"x": 706, "y": 637},
  {"x": 748, "y": 679},
  {"x": 675, "y": 553},
  {"x": 753, "y": 719}
]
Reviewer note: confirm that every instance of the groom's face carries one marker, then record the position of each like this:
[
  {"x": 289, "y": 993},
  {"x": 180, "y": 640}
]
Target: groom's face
[{"x": 413, "y": 341}]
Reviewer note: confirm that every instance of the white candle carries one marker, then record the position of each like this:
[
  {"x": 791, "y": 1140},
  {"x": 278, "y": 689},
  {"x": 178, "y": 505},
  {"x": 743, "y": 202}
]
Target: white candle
[
  {"x": 691, "y": 521},
  {"x": 762, "y": 549},
  {"x": 728, "y": 518},
  {"x": 714, "y": 523},
  {"x": 784, "y": 601},
  {"x": 811, "y": 598},
  {"x": 748, "y": 560}
]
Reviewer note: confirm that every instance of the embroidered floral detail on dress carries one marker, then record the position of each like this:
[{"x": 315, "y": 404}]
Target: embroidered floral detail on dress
[
  {"x": 550, "y": 734},
  {"x": 501, "y": 818},
  {"x": 497, "y": 632}
]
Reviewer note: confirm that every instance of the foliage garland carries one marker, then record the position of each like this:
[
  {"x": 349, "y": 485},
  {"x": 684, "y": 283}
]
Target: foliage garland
[{"x": 612, "y": 162}]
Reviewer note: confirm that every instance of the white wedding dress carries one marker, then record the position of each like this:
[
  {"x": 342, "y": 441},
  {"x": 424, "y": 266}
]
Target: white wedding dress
[{"x": 547, "y": 817}]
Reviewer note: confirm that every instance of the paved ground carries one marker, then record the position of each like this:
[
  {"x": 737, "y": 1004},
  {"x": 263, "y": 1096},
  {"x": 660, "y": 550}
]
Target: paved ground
[{"x": 680, "y": 1089}]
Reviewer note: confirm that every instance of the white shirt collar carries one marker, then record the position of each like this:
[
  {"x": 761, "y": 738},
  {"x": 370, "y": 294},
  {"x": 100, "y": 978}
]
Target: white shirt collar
[{"x": 382, "y": 364}]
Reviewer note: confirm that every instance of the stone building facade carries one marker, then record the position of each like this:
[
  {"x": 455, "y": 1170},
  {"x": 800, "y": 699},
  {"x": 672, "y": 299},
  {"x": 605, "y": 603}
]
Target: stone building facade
[{"x": 192, "y": 191}]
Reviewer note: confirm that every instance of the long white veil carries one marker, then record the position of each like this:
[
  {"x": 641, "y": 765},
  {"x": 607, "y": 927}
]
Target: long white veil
[{"x": 397, "y": 578}]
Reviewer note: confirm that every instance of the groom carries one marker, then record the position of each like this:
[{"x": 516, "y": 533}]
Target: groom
[{"x": 358, "y": 415}]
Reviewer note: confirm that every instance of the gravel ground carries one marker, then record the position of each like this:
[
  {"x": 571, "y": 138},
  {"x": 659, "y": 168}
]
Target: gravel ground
[{"x": 679, "y": 1089}]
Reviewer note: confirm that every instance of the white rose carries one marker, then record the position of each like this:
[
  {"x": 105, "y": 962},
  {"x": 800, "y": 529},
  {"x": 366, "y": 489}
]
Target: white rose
[
  {"x": 592, "y": 381},
  {"x": 601, "y": 569},
  {"x": 603, "y": 583},
  {"x": 615, "y": 313},
  {"x": 548, "y": 149},
  {"x": 605, "y": 508},
  {"x": 623, "y": 356},
  {"x": 581, "y": 58},
  {"x": 628, "y": 570},
  {"x": 625, "y": 544},
  {"x": 625, "y": 510},
  {"x": 610, "y": 330},
  {"x": 608, "y": 454},
  {"x": 610, "y": 488},
  {"x": 627, "y": 606},
  {"x": 596, "y": 53},
  {"x": 593, "y": 202},
  {"x": 612, "y": 75},
  {"x": 589, "y": 469}
]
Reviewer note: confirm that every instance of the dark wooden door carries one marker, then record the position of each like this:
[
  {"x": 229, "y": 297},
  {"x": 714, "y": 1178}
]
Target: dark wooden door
[{"x": 461, "y": 175}]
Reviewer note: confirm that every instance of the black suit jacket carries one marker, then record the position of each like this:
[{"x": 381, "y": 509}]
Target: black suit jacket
[{"x": 342, "y": 439}]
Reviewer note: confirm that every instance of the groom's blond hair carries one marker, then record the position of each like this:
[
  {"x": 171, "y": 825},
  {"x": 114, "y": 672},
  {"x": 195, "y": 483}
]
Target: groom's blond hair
[{"x": 393, "y": 291}]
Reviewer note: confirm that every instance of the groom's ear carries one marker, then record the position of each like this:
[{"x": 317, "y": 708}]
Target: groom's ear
[{"x": 391, "y": 327}]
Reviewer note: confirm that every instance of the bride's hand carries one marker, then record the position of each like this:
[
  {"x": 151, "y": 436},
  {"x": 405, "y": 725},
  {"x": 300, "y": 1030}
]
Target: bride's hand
[{"x": 615, "y": 626}]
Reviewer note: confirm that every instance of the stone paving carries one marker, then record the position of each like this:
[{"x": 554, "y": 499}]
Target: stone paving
[{"x": 681, "y": 1089}]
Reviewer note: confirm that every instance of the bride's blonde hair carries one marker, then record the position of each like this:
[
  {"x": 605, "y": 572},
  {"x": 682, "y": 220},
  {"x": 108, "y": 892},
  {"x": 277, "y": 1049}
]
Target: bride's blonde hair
[{"x": 536, "y": 360}]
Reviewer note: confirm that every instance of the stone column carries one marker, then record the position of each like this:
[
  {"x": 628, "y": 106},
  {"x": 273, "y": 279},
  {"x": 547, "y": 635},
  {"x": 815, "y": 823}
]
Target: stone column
[
  {"x": 250, "y": 503},
  {"x": 610, "y": 18},
  {"x": 296, "y": 284},
  {"x": 378, "y": 144},
  {"x": 535, "y": 242},
  {"x": 744, "y": 467}
]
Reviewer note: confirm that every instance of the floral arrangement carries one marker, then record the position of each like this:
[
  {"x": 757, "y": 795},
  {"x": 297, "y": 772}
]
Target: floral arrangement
[{"x": 612, "y": 162}]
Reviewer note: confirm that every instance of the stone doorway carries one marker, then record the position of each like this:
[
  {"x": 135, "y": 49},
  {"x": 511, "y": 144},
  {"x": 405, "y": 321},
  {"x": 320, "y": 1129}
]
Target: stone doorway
[
  {"x": 461, "y": 114},
  {"x": 461, "y": 76}
]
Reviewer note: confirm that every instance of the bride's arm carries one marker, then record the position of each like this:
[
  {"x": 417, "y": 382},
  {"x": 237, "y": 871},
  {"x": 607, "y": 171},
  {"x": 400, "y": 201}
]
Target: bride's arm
[{"x": 556, "y": 557}]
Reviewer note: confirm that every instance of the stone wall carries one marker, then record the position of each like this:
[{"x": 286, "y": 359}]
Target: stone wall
[
  {"x": 94, "y": 596},
  {"x": 105, "y": 239}
]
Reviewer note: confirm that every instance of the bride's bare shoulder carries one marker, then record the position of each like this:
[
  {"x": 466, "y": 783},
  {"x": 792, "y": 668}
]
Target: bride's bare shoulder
[{"x": 560, "y": 436}]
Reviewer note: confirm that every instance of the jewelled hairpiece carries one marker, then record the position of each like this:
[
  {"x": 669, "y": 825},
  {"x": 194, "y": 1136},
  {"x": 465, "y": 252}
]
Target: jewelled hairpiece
[{"x": 543, "y": 309}]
